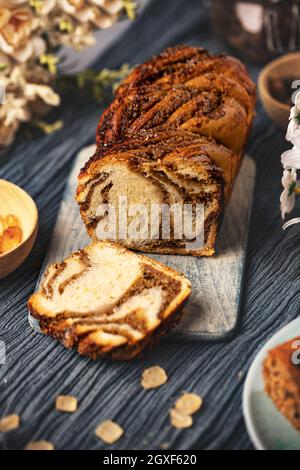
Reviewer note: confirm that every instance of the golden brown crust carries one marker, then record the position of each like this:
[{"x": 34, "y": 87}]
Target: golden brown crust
[
  {"x": 177, "y": 64},
  {"x": 161, "y": 145},
  {"x": 184, "y": 87},
  {"x": 126, "y": 353},
  {"x": 282, "y": 379}
]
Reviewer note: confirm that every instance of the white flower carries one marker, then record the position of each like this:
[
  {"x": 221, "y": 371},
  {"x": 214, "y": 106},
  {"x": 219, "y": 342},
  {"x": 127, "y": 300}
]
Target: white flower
[
  {"x": 291, "y": 222},
  {"x": 80, "y": 37},
  {"x": 27, "y": 91},
  {"x": 297, "y": 100},
  {"x": 287, "y": 198},
  {"x": 293, "y": 131},
  {"x": 12, "y": 113},
  {"x": 106, "y": 12},
  {"x": 33, "y": 91},
  {"x": 14, "y": 110},
  {"x": 7, "y": 133},
  {"x": 77, "y": 8},
  {"x": 101, "y": 13},
  {"x": 291, "y": 159},
  {"x": 19, "y": 35},
  {"x": 24, "y": 80}
]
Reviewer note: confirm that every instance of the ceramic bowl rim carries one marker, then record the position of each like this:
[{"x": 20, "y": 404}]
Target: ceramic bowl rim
[
  {"x": 34, "y": 219},
  {"x": 264, "y": 73}
]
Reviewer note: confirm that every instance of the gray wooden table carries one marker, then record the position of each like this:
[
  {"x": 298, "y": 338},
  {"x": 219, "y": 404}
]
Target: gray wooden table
[{"x": 38, "y": 368}]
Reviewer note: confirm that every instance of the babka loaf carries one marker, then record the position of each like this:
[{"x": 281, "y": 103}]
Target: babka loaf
[
  {"x": 106, "y": 300},
  {"x": 282, "y": 379},
  {"x": 174, "y": 135},
  {"x": 174, "y": 167}
]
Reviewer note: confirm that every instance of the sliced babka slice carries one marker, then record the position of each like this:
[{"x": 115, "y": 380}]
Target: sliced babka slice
[
  {"x": 281, "y": 371},
  {"x": 159, "y": 172},
  {"x": 106, "y": 300}
]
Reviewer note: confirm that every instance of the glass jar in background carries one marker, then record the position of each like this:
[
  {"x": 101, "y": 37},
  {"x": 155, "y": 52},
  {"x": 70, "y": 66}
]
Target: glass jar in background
[{"x": 258, "y": 30}]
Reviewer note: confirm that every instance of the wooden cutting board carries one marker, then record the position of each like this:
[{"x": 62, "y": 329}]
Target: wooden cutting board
[{"x": 213, "y": 308}]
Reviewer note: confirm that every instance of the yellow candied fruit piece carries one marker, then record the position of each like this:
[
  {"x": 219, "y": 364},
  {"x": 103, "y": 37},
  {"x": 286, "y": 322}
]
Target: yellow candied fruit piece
[
  {"x": 2, "y": 225},
  {"x": 11, "y": 238},
  {"x": 11, "y": 220}
]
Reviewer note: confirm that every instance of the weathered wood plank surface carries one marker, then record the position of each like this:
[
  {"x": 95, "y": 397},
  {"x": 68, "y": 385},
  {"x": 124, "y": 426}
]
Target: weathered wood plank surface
[
  {"x": 38, "y": 368},
  {"x": 213, "y": 308}
]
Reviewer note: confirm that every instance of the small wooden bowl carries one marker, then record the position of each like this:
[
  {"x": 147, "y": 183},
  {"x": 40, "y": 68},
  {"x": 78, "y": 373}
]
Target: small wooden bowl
[
  {"x": 285, "y": 66},
  {"x": 16, "y": 201}
]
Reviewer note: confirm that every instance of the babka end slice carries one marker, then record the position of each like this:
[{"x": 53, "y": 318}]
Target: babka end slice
[
  {"x": 281, "y": 373},
  {"x": 106, "y": 300}
]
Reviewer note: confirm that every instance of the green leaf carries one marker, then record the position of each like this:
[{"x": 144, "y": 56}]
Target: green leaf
[
  {"x": 65, "y": 26},
  {"x": 36, "y": 5},
  {"x": 93, "y": 84},
  {"x": 50, "y": 61},
  {"x": 130, "y": 7},
  {"x": 49, "y": 128},
  {"x": 292, "y": 187}
]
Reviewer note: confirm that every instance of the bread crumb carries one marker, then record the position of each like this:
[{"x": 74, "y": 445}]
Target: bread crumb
[
  {"x": 154, "y": 377},
  {"x": 188, "y": 403},
  {"x": 165, "y": 445},
  {"x": 9, "y": 422},
  {"x": 39, "y": 445},
  {"x": 180, "y": 420},
  {"x": 66, "y": 403},
  {"x": 109, "y": 432}
]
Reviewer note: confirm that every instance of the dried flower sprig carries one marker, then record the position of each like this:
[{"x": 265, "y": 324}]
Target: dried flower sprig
[
  {"x": 293, "y": 131},
  {"x": 93, "y": 84},
  {"x": 90, "y": 84},
  {"x": 31, "y": 31},
  {"x": 130, "y": 8},
  {"x": 49, "y": 128}
]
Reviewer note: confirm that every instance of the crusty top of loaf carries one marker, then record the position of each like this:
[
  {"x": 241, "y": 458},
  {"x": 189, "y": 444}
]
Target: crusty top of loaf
[
  {"x": 175, "y": 65},
  {"x": 181, "y": 81}
]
